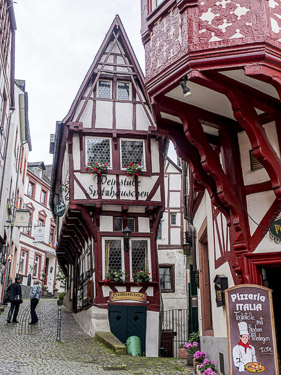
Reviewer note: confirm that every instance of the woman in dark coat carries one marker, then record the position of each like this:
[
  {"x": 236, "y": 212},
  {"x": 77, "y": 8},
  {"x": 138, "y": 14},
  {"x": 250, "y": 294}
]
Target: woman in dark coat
[{"x": 15, "y": 297}]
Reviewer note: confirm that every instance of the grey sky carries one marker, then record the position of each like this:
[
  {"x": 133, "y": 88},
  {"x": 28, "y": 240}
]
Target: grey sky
[{"x": 56, "y": 42}]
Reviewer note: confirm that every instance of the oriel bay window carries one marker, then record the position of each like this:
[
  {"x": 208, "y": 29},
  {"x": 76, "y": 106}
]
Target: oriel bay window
[
  {"x": 99, "y": 150},
  {"x": 132, "y": 152}
]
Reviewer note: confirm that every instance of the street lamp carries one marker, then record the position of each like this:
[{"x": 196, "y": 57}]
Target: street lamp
[
  {"x": 187, "y": 245},
  {"x": 127, "y": 234}
]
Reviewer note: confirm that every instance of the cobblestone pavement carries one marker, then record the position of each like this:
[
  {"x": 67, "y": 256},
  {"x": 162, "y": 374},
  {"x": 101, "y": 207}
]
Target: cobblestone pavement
[{"x": 33, "y": 349}]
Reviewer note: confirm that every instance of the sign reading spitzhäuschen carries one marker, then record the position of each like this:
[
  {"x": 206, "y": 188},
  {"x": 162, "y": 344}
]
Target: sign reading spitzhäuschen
[{"x": 251, "y": 330}]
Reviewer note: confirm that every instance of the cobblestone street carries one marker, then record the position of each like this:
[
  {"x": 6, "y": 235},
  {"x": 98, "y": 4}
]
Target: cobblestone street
[{"x": 33, "y": 349}]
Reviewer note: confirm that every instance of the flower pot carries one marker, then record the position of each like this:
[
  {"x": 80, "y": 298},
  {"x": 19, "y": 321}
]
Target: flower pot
[
  {"x": 182, "y": 353},
  {"x": 60, "y": 302},
  {"x": 189, "y": 359},
  {"x": 195, "y": 365}
]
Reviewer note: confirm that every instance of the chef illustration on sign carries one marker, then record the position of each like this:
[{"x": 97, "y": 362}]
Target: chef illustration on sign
[{"x": 243, "y": 353}]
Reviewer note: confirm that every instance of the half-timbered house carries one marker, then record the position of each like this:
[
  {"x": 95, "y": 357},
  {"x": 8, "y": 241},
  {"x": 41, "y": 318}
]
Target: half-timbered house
[
  {"x": 107, "y": 183},
  {"x": 213, "y": 76}
]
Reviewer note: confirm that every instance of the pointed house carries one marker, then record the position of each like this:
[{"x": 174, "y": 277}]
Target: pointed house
[{"x": 107, "y": 196}]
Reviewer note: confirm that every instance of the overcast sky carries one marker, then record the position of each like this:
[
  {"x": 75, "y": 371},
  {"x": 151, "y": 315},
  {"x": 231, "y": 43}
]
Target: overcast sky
[{"x": 56, "y": 42}]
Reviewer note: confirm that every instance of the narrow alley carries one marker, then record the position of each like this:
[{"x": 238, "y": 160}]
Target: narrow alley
[{"x": 33, "y": 349}]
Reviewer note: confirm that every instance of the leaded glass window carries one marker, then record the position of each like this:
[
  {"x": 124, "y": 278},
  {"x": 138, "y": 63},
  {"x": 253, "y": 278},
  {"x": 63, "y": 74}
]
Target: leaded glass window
[
  {"x": 98, "y": 150},
  {"x": 104, "y": 89},
  {"x": 123, "y": 90},
  {"x": 132, "y": 152},
  {"x": 118, "y": 224},
  {"x": 113, "y": 256},
  {"x": 139, "y": 256}
]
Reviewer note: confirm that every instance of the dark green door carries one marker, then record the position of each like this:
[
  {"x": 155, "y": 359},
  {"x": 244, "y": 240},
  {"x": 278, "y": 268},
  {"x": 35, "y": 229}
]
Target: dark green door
[{"x": 126, "y": 321}]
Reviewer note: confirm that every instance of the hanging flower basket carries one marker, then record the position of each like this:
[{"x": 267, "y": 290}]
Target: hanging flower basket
[
  {"x": 114, "y": 275},
  {"x": 96, "y": 168},
  {"x": 133, "y": 169}
]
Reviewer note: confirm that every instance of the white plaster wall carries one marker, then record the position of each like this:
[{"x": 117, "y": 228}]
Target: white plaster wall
[
  {"x": 175, "y": 236},
  {"x": 104, "y": 111},
  {"x": 175, "y": 199},
  {"x": 152, "y": 334},
  {"x": 136, "y": 209},
  {"x": 166, "y": 185},
  {"x": 89, "y": 182},
  {"x": 93, "y": 320},
  {"x": 157, "y": 196},
  {"x": 178, "y": 299},
  {"x": 124, "y": 116},
  {"x": 87, "y": 114},
  {"x": 143, "y": 224},
  {"x": 164, "y": 240},
  {"x": 175, "y": 182},
  {"x": 155, "y": 156},
  {"x": 106, "y": 223},
  {"x": 146, "y": 185},
  {"x": 78, "y": 193},
  {"x": 141, "y": 117},
  {"x": 76, "y": 152}
]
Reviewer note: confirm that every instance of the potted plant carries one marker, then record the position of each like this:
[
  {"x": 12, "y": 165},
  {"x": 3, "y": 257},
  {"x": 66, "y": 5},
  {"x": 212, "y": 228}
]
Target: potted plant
[
  {"x": 133, "y": 169},
  {"x": 142, "y": 276},
  {"x": 60, "y": 298},
  {"x": 43, "y": 275},
  {"x": 115, "y": 275},
  {"x": 199, "y": 357},
  {"x": 45, "y": 289},
  {"x": 192, "y": 346},
  {"x": 207, "y": 367},
  {"x": 55, "y": 291},
  {"x": 182, "y": 353},
  {"x": 97, "y": 167}
]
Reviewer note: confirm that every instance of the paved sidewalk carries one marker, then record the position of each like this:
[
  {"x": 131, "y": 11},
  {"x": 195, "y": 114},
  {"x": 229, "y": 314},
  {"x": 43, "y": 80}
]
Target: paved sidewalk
[{"x": 33, "y": 349}]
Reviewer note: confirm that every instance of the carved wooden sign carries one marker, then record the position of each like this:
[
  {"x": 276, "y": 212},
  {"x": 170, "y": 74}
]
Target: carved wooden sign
[
  {"x": 133, "y": 296},
  {"x": 251, "y": 330}
]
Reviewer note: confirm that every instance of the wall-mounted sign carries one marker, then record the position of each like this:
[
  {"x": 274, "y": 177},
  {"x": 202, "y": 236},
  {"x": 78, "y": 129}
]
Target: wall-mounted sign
[
  {"x": 131, "y": 296},
  {"x": 39, "y": 233},
  {"x": 275, "y": 229},
  {"x": 59, "y": 208},
  {"x": 251, "y": 330},
  {"x": 22, "y": 218}
]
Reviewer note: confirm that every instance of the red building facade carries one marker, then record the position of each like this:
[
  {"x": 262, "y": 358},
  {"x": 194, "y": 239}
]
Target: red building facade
[{"x": 227, "y": 55}]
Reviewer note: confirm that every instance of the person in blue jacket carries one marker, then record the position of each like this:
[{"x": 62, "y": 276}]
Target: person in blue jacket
[{"x": 34, "y": 296}]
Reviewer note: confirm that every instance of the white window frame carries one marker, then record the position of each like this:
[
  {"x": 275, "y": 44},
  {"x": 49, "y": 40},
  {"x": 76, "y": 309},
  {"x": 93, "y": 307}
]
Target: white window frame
[
  {"x": 147, "y": 239},
  {"x": 104, "y": 80},
  {"x": 135, "y": 140},
  {"x": 130, "y": 90},
  {"x": 110, "y": 149},
  {"x": 38, "y": 266},
  {"x": 24, "y": 262},
  {"x": 103, "y": 253}
]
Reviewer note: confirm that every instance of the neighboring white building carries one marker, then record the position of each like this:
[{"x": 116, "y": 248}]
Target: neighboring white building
[
  {"x": 12, "y": 197},
  {"x": 37, "y": 256},
  {"x": 172, "y": 262}
]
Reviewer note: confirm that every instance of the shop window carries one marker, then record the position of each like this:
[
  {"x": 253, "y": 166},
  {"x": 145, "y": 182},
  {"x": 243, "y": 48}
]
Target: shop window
[
  {"x": 36, "y": 266},
  {"x": 23, "y": 262},
  {"x": 132, "y": 152},
  {"x": 31, "y": 189},
  {"x": 113, "y": 255},
  {"x": 99, "y": 150},
  {"x": 167, "y": 278},
  {"x": 104, "y": 89},
  {"x": 123, "y": 90},
  {"x": 173, "y": 218},
  {"x": 139, "y": 256},
  {"x": 118, "y": 224}
]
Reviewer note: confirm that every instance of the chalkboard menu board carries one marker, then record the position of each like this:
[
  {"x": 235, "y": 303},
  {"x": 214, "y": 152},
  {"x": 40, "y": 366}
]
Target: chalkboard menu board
[{"x": 251, "y": 330}]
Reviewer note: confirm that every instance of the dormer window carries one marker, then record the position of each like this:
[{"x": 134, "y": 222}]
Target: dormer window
[
  {"x": 123, "y": 90},
  {"x": 132, "y": 152},
  {"x": 104, "y": 89},
  {"x": 99, "y": 150}
]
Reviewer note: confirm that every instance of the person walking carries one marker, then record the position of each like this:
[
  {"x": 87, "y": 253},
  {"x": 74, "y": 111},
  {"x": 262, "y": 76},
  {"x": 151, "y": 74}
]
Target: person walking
[
  {"x": 34, "y": 296},
  {"x": 15, "y": 297}
]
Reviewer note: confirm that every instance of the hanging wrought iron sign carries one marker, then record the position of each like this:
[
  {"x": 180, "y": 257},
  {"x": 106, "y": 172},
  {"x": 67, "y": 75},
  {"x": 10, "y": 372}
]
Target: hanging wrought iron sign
[
  {"x": 59, "y": 208},
  {"x": 275, "y": 231}
]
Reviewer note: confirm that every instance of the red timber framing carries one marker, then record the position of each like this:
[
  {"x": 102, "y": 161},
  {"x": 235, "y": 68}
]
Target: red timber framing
[
  {"x": 82, "y": 221},
  {"x": 245, "y": 73}
]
